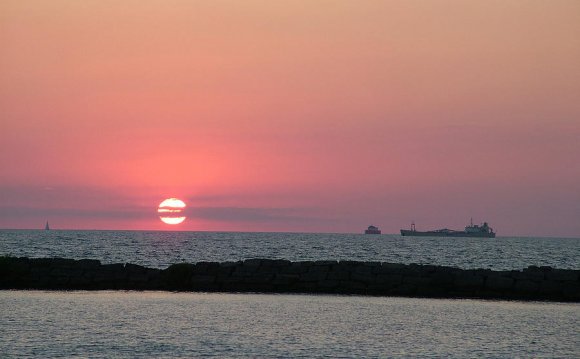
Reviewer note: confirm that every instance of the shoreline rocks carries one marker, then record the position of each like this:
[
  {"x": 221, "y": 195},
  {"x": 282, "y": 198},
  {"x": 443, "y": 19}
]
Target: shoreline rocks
[{"x": 283, "y": 276}]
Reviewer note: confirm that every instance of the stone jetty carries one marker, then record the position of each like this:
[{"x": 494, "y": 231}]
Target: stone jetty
[{"x": 283, "y": 276}]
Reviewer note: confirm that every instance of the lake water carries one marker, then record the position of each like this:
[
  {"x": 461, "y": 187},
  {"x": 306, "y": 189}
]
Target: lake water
[
  {"x": 160, "y": 324},
  {"x": 160, "y": 249}
]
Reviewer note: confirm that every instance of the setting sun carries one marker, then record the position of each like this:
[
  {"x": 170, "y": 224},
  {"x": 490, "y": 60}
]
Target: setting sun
[{"x": 171, "y": 211}]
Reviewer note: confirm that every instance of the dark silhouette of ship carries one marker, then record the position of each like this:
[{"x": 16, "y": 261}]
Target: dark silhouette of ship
[
  {"x": 472, "y": 230},
  {"x": 372, "y": 230},
  {"x": 46, "y": 227}
]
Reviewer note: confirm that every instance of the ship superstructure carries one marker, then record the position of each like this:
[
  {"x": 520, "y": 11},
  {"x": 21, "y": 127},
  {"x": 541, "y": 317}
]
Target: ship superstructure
[{"x": 372, "y": 230}]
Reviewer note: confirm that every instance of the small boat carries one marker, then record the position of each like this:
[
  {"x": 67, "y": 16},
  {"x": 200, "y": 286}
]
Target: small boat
[
  {"x": 372, "y": 230},
  {"x": 46, "y": 227}
]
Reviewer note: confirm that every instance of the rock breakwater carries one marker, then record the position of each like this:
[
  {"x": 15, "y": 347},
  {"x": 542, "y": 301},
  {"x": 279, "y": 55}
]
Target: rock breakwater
[{"x": 282, "y": 276}]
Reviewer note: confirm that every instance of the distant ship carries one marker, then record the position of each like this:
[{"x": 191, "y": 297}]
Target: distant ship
[
  {"x": 472, "y": 230},
  {"x": 372, "y": 230},
  {"x": 46, "y": 227}
]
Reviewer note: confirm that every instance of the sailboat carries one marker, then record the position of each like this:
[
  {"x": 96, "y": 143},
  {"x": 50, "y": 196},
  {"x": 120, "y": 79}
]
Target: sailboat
[{"x": 46, "y": 227}]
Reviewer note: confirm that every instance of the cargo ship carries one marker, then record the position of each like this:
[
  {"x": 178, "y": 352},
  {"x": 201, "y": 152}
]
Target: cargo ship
[
  {"x": 372, "y": 230},
  {"x": 472, "y": 230}
]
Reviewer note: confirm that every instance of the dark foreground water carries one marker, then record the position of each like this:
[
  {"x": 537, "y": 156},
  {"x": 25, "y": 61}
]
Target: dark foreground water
[
  {"x": 158, "y": 324},
  {"x": 160, "y": 249}
]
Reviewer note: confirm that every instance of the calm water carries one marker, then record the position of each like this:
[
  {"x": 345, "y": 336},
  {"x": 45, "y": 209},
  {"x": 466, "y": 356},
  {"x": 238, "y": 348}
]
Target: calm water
[
  {"x": 156, "y": 324},
  {"x": 159, "y": 249}
]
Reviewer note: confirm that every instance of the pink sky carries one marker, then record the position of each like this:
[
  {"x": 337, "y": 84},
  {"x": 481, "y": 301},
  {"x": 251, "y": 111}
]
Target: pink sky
[{"x": 321, "y": 116}]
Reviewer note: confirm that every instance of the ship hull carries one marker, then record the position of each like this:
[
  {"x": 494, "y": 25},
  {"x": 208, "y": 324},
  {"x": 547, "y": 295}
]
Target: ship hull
[{"x": 409, "y": 233}]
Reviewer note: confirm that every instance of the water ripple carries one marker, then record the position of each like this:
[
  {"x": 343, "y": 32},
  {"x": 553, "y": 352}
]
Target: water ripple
[
  {"x": 159, "y": 249},
  {"x": 155, "y": 324}
]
